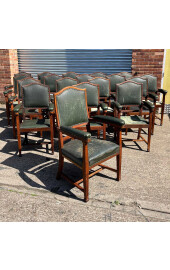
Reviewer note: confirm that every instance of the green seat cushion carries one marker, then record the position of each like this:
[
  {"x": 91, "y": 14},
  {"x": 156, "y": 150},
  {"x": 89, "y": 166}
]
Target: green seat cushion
[
  {"x": 134, "y": 120},
  {"x": 98, "y": 150},
  {"x": 28, "y": 111},
  {"x": 35, "y": 123}
]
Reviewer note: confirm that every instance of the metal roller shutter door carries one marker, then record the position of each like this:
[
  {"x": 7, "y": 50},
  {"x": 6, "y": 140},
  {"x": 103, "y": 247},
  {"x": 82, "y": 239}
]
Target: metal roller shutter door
[{"x": 80, "y": 61}]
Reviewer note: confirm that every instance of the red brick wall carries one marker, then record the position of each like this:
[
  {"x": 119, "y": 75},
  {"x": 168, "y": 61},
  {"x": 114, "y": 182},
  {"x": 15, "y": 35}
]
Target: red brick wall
[
  {"x": 148, "y": 62},
  {"x": 8, "y": 67}
]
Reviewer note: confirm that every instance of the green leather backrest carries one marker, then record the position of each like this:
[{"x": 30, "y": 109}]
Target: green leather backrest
[
  {"x": 144, "y": 82},
  {"x": 24, "y": 82},
  {"x": 35, "y": 96},
  {"x": 22, "y": 73},
  {"x": 104, "y": 86},
  {"x": 115, "y": 79},
  {"x": 18, "y": 78},
  {"x": 127, "y": 75},
  {"x": 51, "y": 82},
  {"x": 71, "y": 107},
  {"x": 84, "y": 78},
  {"x": 152, "y": 82},
  {"x": 129, "y": 93},
  {"x": 92, "y": 93},
  {"x": 42, "y": 75},
  {"x": 99, "y": 74},
  {"x": 62, "y": 83},
  {"x": 72, "y": 75}
]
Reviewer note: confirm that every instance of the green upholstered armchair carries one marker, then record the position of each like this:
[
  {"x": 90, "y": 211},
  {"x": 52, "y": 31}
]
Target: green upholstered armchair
[
  {"x": 78, "y": 146},
  {"x": 70, "y": 74},
  {"x": 115, "y": 79},
  {"x": 155, "y": 95},
  {"x": 42, "y": 75},
  {"x": 129, "y": 95},
  {"x": 11, "y": 91},
  {"x": 50, "y": 80},
  {"x": 127, "y": 75},
  {"x": 98, "y": 74},
  {"x": 20, "y": 84},
  {"x": 64, "y": 82},
  {"x": 35, "y": 97},
  {"x": 94, "y": 106},
  {"x": 104, "y": 88},
  {"x": 83, "y": 78}
]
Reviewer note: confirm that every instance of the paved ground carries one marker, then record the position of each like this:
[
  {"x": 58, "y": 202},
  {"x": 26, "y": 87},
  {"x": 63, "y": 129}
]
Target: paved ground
[{"x": 30, "y": 192}]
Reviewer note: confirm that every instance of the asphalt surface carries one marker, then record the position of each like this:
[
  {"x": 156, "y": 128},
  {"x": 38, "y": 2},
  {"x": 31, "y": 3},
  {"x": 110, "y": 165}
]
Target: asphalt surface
[{"x": 29, "y": 190}]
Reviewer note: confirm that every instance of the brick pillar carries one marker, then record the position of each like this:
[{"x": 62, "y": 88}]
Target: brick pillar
[
  {"x": 8, "y": 67},
  {"x": 148, "y": 62}
]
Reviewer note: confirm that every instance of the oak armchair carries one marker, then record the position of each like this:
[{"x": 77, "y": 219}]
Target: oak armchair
[
  {"x": 34, "y": 97},
  {"x": 81, "y": 149},
  {"x": 64, "y": 82},
  {"x": 83, "y": 78},
  {"x": 70, "y": 74},
  {"x": 42, "y": 75},
  {"x": 104, "y": 88},
  {"x": 98, "y": 74}
]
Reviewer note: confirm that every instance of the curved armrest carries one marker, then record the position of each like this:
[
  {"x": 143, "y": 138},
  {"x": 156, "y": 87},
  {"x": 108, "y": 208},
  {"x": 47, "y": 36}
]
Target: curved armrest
[
  {"x": 17, "y": 108},
  {"x": 117, "y": 105},
  {"x": 153, "y": 96},
  {"x": 8, "y": 91},
  {"x": 149, "y": 105},
  {"x": 109, "y": 120},
  {"x": 76, "y": 133},
  {"x": 164, "y": 92},
  {"x": 11, "y": 99},
  {"x": 51, "y": 107},
  {"x": 8, "y": 87},
  {"x": 104, "y": 106}
]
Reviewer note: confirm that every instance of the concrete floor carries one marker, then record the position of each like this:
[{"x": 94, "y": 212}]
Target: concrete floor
[{"x": 29, "y": 190}]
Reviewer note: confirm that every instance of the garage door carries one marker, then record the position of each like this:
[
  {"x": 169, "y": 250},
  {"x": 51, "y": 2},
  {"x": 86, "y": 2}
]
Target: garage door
[{"x": 57, "y": 61}]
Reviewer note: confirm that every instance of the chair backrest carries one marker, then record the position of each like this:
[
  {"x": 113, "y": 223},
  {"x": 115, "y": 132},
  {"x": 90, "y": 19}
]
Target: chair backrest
[
  {"x": 23, "y": 82},
  {"x": 152, "y": 82},
  {"x": 21, "y": 73},
  {"x": 70, "y": 74},
  {"x": 71, "y": 106},
  {"x": 42, "y": 75},
  {"x": 129, "y": 93},
  {"x": 115, "y": 79},
  {"x": 35, "y": 96},
  {"x": 104, "y": 86},
  {"x": 98, "y": 74},
  {"x": 92, "y": 93},
  {"x": 18, "y": 78},
  {"x": 127, "y": 75},
  {"x": 64, "y": 82},
  {"x": 51, "y": 81},
  {"x": 83, "y": 78},
  {"x": 143, "y": 81}
]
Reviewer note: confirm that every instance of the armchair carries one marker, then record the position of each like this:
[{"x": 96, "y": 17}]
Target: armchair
[
  {"x": 10, "y": 92},
  {"x": 104, "y": 88},
  {"x": 94, "y": 106},
  {"x": 83, "y": 150},
  {"x": 42, "y": 75},
  {"x": 155, "y": 95},
  {"x": 64, "y": 82},
  {"x": 83, "y": 78},
  {"x": 129, "y": 95},
  {"x": 34, "y": 97},
  {"x": 127, "y": 75},
  {"x": 115, "y": 79},
  {"x": 70, "y": 74},
  {"x": 50, "y": 80},
  {"x": 98, "y": 74}
]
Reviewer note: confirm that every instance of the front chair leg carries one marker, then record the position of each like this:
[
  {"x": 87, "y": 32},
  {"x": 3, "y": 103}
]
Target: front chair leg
[
  {"x": 86, "y": 171},
  {"x": 118, "y": 159},
  {"x": 18, "y": 135},
  {"x": 162, "y": 114}
]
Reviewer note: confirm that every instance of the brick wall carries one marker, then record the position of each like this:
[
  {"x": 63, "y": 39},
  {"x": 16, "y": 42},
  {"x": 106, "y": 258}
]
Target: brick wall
[
  {"x": 148, "y": 62},
  {"x": 8, "y": 67}
]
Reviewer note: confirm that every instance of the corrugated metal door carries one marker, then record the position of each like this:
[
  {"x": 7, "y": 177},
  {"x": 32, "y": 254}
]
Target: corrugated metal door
[{"x": 81, "y": 61}]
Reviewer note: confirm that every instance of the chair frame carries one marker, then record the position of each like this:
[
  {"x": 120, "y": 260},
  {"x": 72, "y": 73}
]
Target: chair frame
[
  {"x": 26, "y": 130},
  {"x": 85, "y": 167}
]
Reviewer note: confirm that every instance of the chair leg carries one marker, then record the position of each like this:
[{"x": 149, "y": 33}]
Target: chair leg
[
  {"x": 86, "y": 185},
  {"x": 153, "y": 121},
  {"x": 52, "y": 133},
  {"x": 139, "y": 132},
  {"x": 162, "y": 114},
  {"x": 60, "y": 166},
  {"x": 126, "y": 132},
  {"x": 13, "y": 125},
  {"x": 118, "y": 159},
  {"x": 98, "y": 134},
  {"x": 8, "y": 113}
]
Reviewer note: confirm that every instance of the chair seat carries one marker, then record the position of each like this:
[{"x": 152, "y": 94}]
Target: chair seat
[
  {"x": 98, "y": 150},
  {"x": 135, "y": 109},
  {"x": 134, "y": 120},
  {"x": 35, "y": 124}
]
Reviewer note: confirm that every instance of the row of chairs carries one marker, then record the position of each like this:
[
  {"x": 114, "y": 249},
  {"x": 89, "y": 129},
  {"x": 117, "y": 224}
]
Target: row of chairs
[{"x": 78, "y": 109}]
